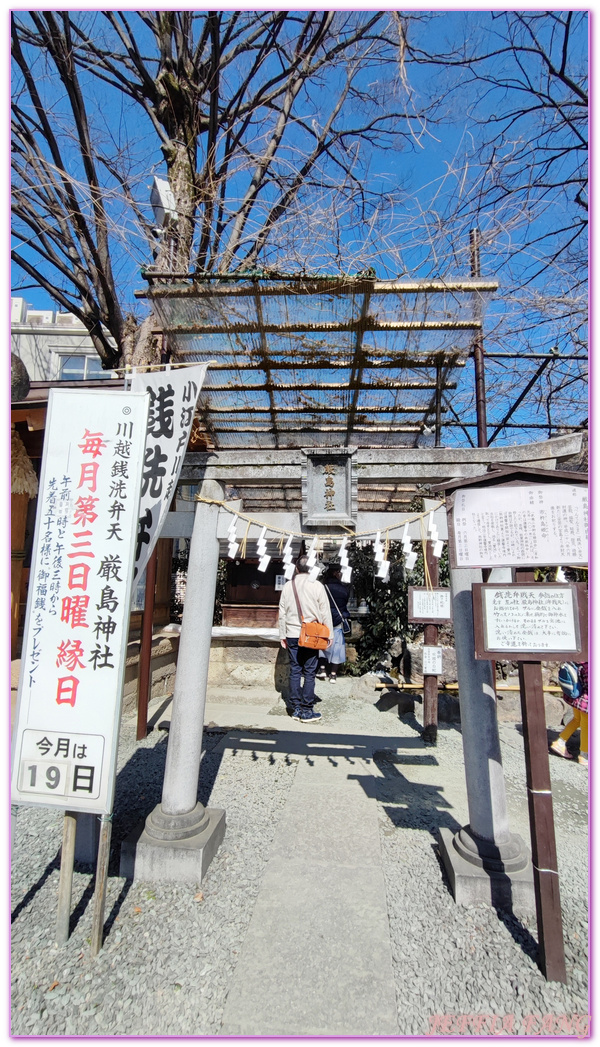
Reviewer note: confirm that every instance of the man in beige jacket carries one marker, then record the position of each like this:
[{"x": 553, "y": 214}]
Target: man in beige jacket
[{"x": 315, "y": 607}]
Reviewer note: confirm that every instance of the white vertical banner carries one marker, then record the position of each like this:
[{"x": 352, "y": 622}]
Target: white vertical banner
[
  {"x": 173, "y": 395},
  {"x": 77, "y": 621}
]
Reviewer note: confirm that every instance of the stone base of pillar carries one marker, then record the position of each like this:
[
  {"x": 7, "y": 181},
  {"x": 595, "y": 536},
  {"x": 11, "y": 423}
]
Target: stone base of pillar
[
  {"x": 169, "y": 849},
  {"x": 480, "y": 872}
]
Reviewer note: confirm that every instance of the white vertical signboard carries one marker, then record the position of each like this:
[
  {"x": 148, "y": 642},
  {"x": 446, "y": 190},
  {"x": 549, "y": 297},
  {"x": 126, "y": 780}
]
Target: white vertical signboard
[
  {"x": 432, "y": 661},
  {"x": 173, "y": 396},
  {"x": 74, "y": 647}
]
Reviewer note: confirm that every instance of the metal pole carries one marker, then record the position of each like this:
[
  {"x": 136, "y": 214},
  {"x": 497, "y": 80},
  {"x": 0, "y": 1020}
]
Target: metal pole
[
  {"x": 65, "y": 883},
  {"x": 521, "y": 396},
  {"x": 430, "y": 683},
  {"x": 541, "y": 816},
  {"x": 438, "y": 404},
  {"x": 101, "y": 877},
  {"x": 478, "y": 349},
  {"x": 145, "y": 659}
]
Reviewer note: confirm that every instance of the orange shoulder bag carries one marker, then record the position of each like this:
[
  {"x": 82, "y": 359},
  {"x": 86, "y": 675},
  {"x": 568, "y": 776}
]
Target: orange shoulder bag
[{"x": 312, "y": 634}]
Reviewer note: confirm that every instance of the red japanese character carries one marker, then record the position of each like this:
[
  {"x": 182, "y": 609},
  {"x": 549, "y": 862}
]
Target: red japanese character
[
  {"x": 74, "y": 609},
  {"x": 70, "y": 653},
  {"x": 67, "y": 685},
  {"x": 92, "y": 444},
  {"x": 84, "y": 510},
  {"x": 88, "y": 475},
  {"x": 78, "y": 575}
]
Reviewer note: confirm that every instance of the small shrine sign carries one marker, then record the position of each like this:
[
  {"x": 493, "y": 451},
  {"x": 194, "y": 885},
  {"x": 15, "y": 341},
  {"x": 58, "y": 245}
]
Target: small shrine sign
[
  {"x": 529, "y": 622},
  {"x": 329, "y": 487},
  {"x": 432, "y": 660},
  {"x": 429, "y": 605}
]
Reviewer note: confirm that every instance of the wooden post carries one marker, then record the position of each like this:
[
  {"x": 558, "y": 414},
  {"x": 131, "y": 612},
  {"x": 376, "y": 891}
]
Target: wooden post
[
  {"x": 65, "y": 883},
  {"x": 101, "y": 877},
  {"x": 145, "y": 659},
  {"x": 541, "y": 816},
  {"x": 430, "y": 683},
  {"x": 18, "y": 520}
]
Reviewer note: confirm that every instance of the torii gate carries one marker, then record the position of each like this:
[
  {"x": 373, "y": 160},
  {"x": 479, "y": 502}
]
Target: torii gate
[
  {"x": 181, "y": 837},
  {"x": 302, "y": 366}
]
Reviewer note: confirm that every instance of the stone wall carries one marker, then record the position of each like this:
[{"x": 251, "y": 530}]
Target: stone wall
[
  {"x": 163, "y": 666},
  {"x": 248, "y": 663}
]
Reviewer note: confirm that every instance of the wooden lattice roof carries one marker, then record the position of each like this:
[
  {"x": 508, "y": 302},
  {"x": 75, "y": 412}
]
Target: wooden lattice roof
[{"x": 312, "y": 362}]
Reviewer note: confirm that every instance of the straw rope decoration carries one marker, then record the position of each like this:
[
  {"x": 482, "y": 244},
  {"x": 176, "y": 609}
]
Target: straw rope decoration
[
  {"x": 244, "y": 542},
  {"x": 22, "y": 474},
  {"x": 285, "y": 532},
  {"x": 428, "y": 582}
]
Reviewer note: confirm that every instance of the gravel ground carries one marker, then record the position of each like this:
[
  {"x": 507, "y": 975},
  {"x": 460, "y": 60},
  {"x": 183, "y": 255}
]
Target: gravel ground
[
  {"x": 170, "y": 950},
  {"x": 478, "y": 963}
]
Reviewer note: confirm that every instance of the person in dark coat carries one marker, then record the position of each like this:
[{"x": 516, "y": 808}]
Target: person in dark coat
[{"x": 337, "y": 593}]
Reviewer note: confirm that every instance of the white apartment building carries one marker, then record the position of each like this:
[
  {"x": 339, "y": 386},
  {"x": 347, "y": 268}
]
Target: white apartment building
[{"x": 54, "y": 346}]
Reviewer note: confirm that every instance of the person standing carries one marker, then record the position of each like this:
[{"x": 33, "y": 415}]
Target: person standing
[
  {"x": 579, "y": 706},
  {"x": 314, "y": 606},
  {"x": 338, "y": 594}
]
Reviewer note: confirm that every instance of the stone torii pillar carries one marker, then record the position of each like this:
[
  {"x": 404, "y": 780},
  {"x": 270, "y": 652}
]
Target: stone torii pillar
[
  {"x": 180, "y": 836},
  {"x": 484, "y": 861}
]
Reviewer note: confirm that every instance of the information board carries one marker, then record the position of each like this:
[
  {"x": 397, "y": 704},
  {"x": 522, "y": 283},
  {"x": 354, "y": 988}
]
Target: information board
[
  {"x": 429, "y": 605},
  {"x": 530, "y": 622},
  {"x": 432, "y": 661},
  {"x": 520, "y": 525},
  {"x": 77, "y": 621}
]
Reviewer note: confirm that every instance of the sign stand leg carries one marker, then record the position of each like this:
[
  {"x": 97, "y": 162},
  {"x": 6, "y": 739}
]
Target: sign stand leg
[
  {"x": 101, "y": 877},
  {"x": 541, "y": 815},
  {"x": 541, "y": 819},
  {"x": 65, "y": 884},
  {"x": 430, "y": 683}
]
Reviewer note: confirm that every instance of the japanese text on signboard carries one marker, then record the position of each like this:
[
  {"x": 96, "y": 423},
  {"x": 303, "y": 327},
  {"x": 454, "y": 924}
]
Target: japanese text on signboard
[
  {"x": 521, "y": 525},
  {"x": 78, "y": 610}
]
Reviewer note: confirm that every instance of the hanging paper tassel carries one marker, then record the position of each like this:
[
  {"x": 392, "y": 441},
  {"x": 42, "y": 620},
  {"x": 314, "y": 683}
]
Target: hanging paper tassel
[
  {"x": 261, "y": 543},
  {"x": 287, "y": 552},
  {"x": 384, "y": 570},
  {"x": 312, "y": 553}
]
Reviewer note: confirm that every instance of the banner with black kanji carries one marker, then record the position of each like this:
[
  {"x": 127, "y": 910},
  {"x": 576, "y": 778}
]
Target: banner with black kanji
[{"x": 173, "y": 396}]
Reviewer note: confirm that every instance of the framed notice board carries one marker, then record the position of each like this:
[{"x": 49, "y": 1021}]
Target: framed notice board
[
  {"x": 429, "y": 605},
  {"x": 530, "y": 622},
  {"x": 521, "y": 524}
]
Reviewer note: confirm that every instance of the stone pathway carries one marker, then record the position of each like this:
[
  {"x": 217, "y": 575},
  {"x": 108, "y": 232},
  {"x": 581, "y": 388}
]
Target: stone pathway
[{"x": 317, "y": 955}]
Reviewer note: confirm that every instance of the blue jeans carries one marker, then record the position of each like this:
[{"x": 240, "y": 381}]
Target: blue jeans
[{"x": 303, "y": 662}]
